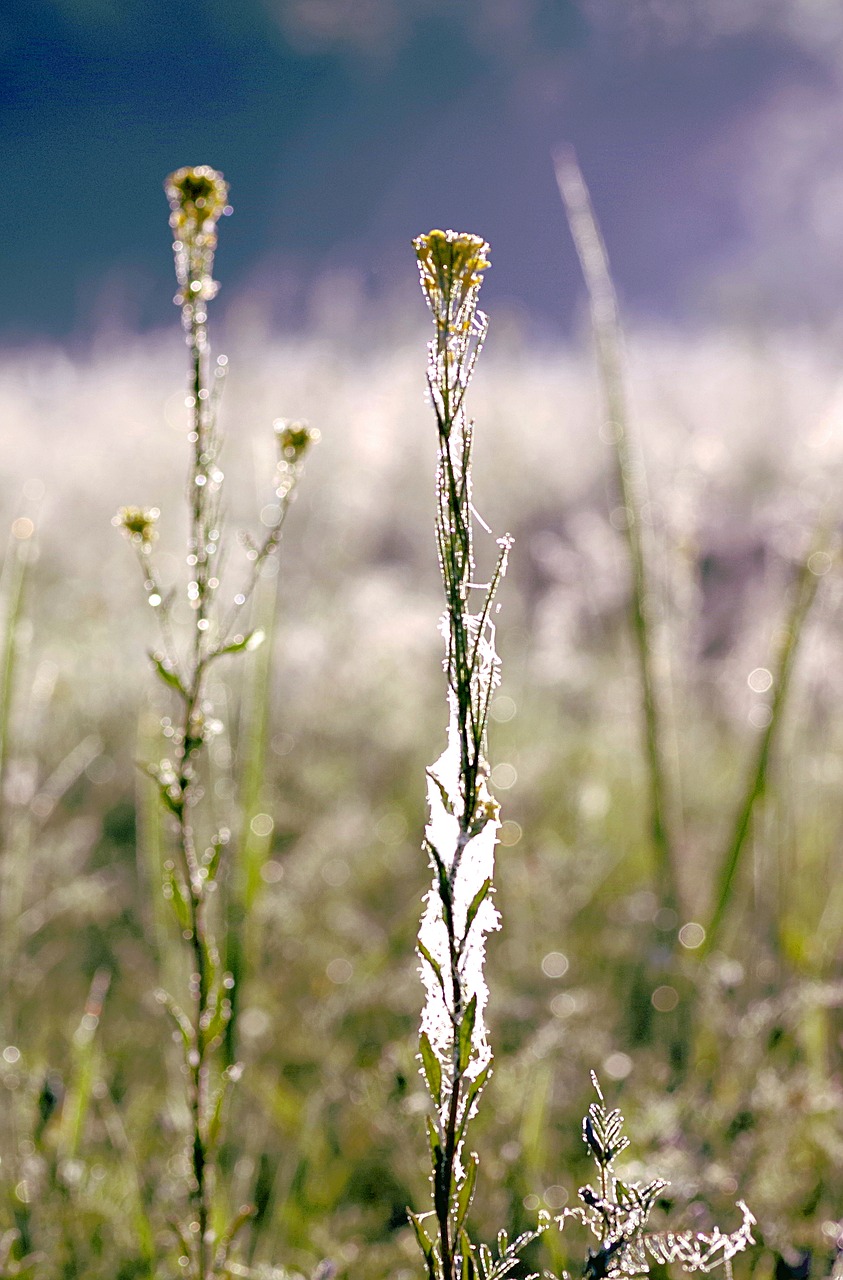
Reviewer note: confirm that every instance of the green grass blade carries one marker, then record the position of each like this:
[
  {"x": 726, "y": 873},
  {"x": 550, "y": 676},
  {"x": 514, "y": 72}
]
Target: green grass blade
[
  {"x": 631, "y": 487},
  {"x": 804, "y": 593}
]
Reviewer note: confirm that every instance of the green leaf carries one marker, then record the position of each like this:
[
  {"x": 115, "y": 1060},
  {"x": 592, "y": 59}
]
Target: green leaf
[
  {"x": 466, "y": 1191},
  {"x": 167, "y": 674},
  {"x": 476, "y": 902},
  {"x": 425, "y": 955},
  {"x": 213, "y": 862},
  {"x": 466, "y": 1032},
  {"x": 435, "y": 1144},
  {"x": 229, "y": 1077},
  {"x": 179, "y": 1018},
  {"x": 246, "y": 643},
  {"x": 469, "y": 1270},
  {"x": 216, "y": 1024},
  {"x": 477, "y": 1085},
  {"x": 432, "y": 1068},
  {"x": 425, "y": 1243},
  {"x": 447, "y": 803},
  {"x": 234, "y": 1227},
  {"x": 174, "y": 891}
]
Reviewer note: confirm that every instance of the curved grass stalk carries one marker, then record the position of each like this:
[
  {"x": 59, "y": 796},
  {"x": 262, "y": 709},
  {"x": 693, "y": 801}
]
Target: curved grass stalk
[
  {"x": 12, "y": 586},
  {"x": 804, "y": 593},
  {"x": 631, "y": 487}
]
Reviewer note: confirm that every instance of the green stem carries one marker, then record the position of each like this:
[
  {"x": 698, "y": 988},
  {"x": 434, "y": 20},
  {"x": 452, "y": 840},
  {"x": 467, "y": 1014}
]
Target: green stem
[
  {"x": 189, "y": 750},
  {"x": 15, "y": 572},
  {"x": 12, "y": 872},
  {"x": 630, "y": 486},
  {"x": 804, "y": 594}
]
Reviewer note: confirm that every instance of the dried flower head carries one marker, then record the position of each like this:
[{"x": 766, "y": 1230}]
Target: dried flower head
[
  {"x": 294, "y": 439},
  {"x": 451, "y": 266},
  {"x": 196, "y": 196},
  {"x": 138, "y": 524}
]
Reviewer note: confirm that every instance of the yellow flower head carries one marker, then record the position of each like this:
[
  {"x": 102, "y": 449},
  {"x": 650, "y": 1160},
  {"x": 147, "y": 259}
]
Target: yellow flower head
[
  {"x": 294, "y": 439},
  {"x": 197, "y": 201},
  {"x": 451, "y": 266},
  {"x": 197, "y": 196},
  {"x": 138, "y": 523}
]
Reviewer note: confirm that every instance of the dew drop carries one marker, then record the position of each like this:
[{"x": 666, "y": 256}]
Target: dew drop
[{"x": 692, "y": 935}]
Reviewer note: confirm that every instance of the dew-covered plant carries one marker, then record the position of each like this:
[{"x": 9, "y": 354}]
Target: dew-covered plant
[
  {"x": 201, "y": 844},
  {"x": 617, "y": 1213},
  {"x": 462, "y": 830},
  {"x": 635, "y": 514}
]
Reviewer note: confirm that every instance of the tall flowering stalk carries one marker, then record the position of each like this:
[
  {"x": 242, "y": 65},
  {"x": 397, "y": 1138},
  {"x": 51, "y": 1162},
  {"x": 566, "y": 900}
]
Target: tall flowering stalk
[
  {"x": 197, "y": 198},
  {"x": 461, "y": 833}
]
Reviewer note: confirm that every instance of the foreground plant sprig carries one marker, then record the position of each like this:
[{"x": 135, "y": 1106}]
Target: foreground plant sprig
[
  {"x": 617, "y": 1214},
  {"x": 461, "y": 834},
  {"x": 197, "y": 200}
]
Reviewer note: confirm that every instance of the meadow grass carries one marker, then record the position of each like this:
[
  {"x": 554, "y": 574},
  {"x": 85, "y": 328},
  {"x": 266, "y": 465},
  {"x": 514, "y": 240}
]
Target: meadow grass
[{"x": 323, "y": 1136}]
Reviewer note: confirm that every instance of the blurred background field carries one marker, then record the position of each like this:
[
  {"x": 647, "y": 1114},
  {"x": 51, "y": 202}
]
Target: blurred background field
[
  {"x": 741, "y": 433},
  {"x": 709, "y": 136}
]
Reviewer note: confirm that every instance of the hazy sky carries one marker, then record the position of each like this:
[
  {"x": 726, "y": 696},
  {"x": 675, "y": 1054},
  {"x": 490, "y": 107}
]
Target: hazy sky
[{"x": 708, "y": 129}]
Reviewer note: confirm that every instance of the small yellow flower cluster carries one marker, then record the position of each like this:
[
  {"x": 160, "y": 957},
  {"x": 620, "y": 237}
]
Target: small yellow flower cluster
[
  {"x": 197, "y": 196},
  {"x": 451, "y": 266},
  {"x": 197, "y": 201},
  {"x": 294, "y": 439},
  {"x": 138, "y": 523}
]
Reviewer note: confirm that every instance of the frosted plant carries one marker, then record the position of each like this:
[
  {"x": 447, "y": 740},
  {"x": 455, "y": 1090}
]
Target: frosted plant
[
  {"x": 197, "y": 200},
  {"x": 617, "y": 1213},
  {"x": 462, "y": 830}
]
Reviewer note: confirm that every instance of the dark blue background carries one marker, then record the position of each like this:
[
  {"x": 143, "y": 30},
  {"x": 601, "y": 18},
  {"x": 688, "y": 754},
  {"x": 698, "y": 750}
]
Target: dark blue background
[{"x": 340, "y": 147}]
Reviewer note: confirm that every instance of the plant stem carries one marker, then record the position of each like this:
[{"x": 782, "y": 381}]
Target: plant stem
[
  {"x": 457, "y": 1064},
  {"x": 631, "y": 487},
  {"x": 804, "y": 592},
  {"x": 13, "y": 580},
  {"x": 188, "y": 752}
]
